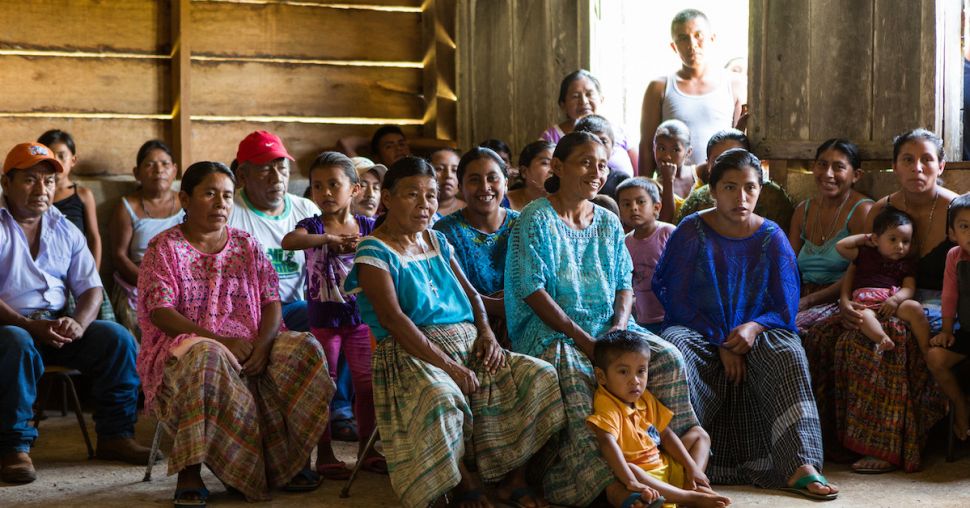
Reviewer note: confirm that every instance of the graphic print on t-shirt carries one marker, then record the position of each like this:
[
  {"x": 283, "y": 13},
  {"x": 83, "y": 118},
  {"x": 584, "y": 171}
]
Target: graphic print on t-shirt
[{"x": 284, "y": 262}]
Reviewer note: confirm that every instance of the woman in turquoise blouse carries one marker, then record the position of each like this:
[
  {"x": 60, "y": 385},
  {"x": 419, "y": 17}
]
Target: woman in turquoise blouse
[
  {"x": 568, "y": 280},
  {"x": 444, "y": 390}
]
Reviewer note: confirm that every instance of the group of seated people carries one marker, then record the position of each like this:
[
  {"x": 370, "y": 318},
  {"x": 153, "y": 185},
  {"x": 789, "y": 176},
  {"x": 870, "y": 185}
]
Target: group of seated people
[{"x": 497, "y": 324}]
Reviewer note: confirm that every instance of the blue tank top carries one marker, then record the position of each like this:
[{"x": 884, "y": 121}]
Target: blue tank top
[{"x": 822, "y": 264}]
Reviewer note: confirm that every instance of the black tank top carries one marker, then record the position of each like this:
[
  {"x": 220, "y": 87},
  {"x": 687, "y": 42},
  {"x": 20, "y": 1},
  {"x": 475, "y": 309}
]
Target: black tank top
[
  {"x": 930, "y": 268},
  {"x": 73, "y": 208}
]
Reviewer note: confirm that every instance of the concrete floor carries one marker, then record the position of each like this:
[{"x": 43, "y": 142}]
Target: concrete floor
[{"x": 66, "y": 478}]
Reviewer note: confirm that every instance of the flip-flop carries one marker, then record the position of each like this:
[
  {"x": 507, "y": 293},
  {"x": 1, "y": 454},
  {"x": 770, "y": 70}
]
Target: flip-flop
[
  {"x": 335, "y": 471},
  {"x": 313, "y": 481},
  {"x": 636, "y": 496},
  {"x": 874, "y": 470},
  {"x": 344, "y": 430},
  {"x": 374, "y": 464},
  {"x": 201, "y": 492},
  {"x": 801, "y": 488}
]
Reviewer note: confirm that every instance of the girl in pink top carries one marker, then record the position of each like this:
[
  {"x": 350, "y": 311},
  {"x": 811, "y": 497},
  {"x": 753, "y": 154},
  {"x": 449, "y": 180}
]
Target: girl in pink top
[{"x": 639, "y": 201}]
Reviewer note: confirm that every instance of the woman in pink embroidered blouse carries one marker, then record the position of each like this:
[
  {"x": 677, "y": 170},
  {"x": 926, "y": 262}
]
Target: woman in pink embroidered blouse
[{"x": 236, "y": 392}]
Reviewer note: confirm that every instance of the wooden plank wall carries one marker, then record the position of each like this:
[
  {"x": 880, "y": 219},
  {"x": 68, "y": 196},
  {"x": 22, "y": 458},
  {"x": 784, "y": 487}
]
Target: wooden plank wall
[
  {"x": 877, "y": 68},
  {"x": 202, "y": 74},
  {"x": 512, "y": 56}
]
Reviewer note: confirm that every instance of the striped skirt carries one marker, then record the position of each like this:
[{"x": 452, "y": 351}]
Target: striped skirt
[
  {"x": 253, "y": 433},
  {"x": 579, "y": 473},
  {"x": 428, "y": 425},
  {"x": 763, "y": 429}
]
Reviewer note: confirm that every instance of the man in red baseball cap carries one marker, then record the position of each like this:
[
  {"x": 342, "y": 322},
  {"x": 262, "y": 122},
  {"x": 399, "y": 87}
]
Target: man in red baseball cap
[{"x": 45, "y": 258}]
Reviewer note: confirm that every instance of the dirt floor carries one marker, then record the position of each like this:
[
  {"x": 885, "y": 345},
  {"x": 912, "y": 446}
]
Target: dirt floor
[{"x": 67, "y": 478}]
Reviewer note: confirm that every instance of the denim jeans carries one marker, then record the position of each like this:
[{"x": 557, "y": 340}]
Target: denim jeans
[
  {"x": 106, "y": 352},
  {"x": 341, "y": 407}
]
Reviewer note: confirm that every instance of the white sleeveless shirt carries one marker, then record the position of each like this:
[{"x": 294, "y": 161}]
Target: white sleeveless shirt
[{"x": 704, "y": 114}]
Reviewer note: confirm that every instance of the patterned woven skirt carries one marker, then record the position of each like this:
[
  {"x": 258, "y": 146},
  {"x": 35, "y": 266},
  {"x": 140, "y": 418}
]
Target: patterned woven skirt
[
  {"x": 579, "y": 473},
  {"x": 253, "y": 433},
  {"x": 428, "y": 425},
  {"x": 881, "y": 405},
  {"x": 763, "y": 429}
]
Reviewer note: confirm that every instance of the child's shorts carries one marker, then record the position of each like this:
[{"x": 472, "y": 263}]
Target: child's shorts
[{"x": 873, "y": 298}]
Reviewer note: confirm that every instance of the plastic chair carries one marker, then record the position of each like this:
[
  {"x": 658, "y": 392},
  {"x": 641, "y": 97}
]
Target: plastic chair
[{"x": 57, "y": 373}]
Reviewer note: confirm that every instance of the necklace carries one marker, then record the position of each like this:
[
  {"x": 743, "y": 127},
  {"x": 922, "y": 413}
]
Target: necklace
[
  {"x": 431, "y": 286},
  {"x": 936, "y": 199},
  {"x": 141, "y": 199},
  {"x": 835, "y": 219}
]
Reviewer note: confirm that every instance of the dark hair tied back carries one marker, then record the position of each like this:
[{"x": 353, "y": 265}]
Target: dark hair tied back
[
  {"x": 735, "y": 158},
  {"x": 197, "y": 172},
  {"x": 567, "y": 144}
]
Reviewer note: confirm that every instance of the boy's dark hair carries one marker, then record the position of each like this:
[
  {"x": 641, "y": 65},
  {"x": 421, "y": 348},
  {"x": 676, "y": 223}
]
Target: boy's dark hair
[
  {"x": 498, "y": 146},
  {"x": 891, "y": 217},
  {"x": 959, "y": 203},
  {"x": 57, "y": 136},
  {"x": 649, "y": 185},
  {"x": 606, "y": 202},
  {"x": 725, "y": 135},
  {"x": 384, "y": 130},
  {"x": 686, "y": 15},
  {"x": 615, "y": 343},
  {"x": 327, "y": 159},
  {"x": 532, "y": 150},
  {"x": 595, "y": 124}
]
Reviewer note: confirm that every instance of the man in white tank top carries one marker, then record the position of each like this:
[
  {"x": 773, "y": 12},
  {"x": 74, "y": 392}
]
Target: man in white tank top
[{"x": 705, "y": 97}]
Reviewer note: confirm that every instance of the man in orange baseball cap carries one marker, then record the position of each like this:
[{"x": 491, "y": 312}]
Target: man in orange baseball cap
[{"x": 45, "y": 258}]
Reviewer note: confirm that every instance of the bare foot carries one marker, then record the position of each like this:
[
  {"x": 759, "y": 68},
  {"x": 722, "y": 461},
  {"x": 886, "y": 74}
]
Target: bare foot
[
  {"x": 705, "y": 500},
  {"x": 514, "y": 488},
  {"x": 872, "y": 465},
  {"x": 616, "y": 494},
  {"x": 885, "y": 344},
  {"x": 814, "y": 487},
  {"x": 960, "y": 426}
]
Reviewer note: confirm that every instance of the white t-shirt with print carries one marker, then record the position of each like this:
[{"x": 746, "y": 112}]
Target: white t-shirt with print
[{"x": 270, "y": 230}]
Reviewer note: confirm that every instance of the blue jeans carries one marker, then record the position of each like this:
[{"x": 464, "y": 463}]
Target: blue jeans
[
  {"x": 106, "y": 352},
  {"x": 341, "y": 407}
]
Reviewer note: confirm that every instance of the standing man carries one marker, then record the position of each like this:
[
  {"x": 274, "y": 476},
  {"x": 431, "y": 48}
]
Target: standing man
[
  {"x": 704, "y": 96},
  {"x": 44, "y": 257},
  {"x": 265, "y": 209}
]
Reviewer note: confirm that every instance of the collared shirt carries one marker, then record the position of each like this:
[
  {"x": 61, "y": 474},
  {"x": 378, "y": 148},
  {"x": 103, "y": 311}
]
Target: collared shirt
[
  {"x": 63, "y": 264},
  {"x": 269, "y": 230},
  {"x": 636, "y": 428}
]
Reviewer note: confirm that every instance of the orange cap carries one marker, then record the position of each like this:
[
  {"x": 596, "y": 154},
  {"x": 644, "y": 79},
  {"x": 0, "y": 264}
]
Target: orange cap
[{"x": 27, "y": 155}]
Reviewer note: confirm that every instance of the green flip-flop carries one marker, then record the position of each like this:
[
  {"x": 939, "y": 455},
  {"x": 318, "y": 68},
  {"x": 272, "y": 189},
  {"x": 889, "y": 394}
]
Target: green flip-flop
[{"x": 801, "y": 488}]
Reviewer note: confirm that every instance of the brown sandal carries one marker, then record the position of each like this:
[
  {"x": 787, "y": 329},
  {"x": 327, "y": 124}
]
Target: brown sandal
[{"x": 17, "y": 468}]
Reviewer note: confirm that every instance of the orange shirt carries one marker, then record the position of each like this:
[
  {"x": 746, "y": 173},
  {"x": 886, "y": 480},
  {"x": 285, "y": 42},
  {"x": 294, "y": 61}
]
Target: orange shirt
[{"x": 636, "y": 429}]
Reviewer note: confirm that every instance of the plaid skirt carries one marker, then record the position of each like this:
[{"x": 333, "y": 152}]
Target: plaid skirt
[
  {"x": 880, "y": 405},
  {"x": 763, "y": 429},
  {"x": 253, "y": 433},
  {"x": 579, "y": 473},
  {"x": 427, "y": 424}
]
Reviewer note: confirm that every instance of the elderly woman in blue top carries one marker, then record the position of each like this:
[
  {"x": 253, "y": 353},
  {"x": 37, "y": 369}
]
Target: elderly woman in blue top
[
  {"x": 567, "y": 262},
  {"x": 44, "y": 257},
  {"x": 480, "y": 231},
  {"x": 728, "y": 280},
  {"x": 444, "y": 390}
]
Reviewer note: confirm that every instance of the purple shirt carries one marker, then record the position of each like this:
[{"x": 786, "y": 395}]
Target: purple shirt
[
  {"x": 63, "y": 264},
  {"x": 328, "y": 306},
  {"x": 646, "y": 254},
  {"x": 874, "y": 271}
]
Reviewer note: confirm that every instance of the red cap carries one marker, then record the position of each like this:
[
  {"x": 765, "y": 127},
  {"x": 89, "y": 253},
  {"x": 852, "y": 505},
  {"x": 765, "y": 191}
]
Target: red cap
[
  {"x": 261, "y": 147},
  {"x": 27, "y": 155}
]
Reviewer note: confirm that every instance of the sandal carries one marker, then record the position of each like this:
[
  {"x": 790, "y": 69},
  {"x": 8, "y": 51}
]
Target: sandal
[
  {"x": 312, "y": 481},
  {"x": 201, "y": 493},
  {"x": 17, "y": 468},
  {"x": 344, "y": 430},
  {"x": 888, "y": 468},
  {"x": 801, "y": 488},
  {"x": 335, "y": 471},
  {"x": 374, "y": 464}
]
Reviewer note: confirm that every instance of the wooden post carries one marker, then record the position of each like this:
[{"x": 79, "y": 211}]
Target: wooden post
[
  {"x": 429, "y": 26},
  {"x": 181, "y": 70}
]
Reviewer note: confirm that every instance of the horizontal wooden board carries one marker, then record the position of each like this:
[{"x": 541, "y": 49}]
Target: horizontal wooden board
[
  {"x": 139, "y": 26},
  {"x": 218, "y": 141},
  {"x": 296, "y": 31},
  {"x": 103, "y": 146},
  {"x": 115, "y": 85},
  {"x": 249, "y": 88}
]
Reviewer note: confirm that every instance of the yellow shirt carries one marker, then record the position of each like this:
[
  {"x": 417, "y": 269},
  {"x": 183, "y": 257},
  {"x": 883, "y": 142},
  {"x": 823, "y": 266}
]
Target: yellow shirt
[{"x": 636, "y": 429}]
